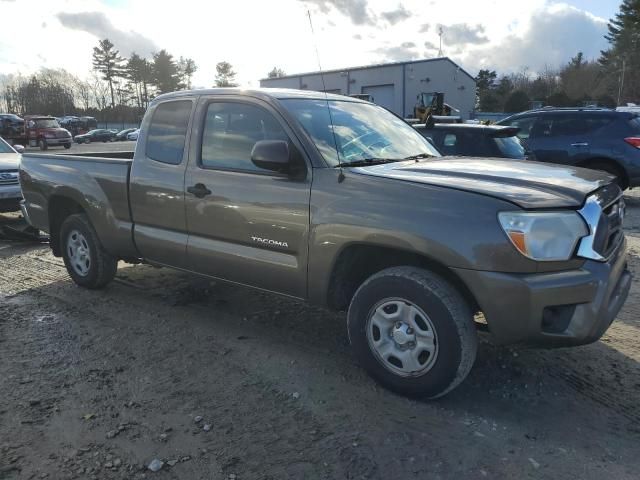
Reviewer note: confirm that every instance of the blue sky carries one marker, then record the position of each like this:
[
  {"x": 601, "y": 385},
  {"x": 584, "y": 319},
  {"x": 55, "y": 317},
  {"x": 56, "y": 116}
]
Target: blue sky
[{"x": 601, "y": 8}]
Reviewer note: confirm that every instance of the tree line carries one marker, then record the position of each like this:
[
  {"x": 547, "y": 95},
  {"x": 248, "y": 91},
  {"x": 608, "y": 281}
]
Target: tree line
[
  {"x": 117, "y": 89},
  {"x": 613, "y": 79}
]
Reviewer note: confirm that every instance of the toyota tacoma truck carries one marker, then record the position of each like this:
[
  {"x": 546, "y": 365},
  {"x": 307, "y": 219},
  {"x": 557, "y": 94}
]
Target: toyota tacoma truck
[{"x": 338, "y": 202}]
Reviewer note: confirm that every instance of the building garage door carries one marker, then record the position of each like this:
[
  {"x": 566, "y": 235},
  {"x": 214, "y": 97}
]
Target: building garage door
[{"x": 383, "y": 95}]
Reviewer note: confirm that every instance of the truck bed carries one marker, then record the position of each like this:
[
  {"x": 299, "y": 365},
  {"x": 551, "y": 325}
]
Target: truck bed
[{"x": 89, "y": 183}]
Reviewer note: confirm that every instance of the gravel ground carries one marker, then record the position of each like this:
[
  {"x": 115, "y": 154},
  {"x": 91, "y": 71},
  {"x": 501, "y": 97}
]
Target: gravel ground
[{"x": 221, "y": 382}]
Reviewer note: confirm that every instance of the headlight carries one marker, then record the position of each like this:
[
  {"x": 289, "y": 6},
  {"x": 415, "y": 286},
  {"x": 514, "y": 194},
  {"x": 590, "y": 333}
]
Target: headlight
[{"x": 544, "y": 236}]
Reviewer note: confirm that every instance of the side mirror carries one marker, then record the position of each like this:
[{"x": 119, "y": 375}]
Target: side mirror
[
  {"x": 18, "y": 148},
  {"x": 271, "y": 155}
]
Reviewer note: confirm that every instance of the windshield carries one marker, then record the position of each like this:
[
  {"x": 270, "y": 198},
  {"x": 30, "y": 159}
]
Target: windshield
[
  {"x": 4, "y": 148},
  {"x": 362, "y": 131},
  {"x": 46, "y": 123},
  {"x": 510, "y": 147}
]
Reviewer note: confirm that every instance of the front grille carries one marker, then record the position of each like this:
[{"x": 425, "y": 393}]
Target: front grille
[
  {"x": 609, "y": 233},
  {"x": 9, "y": 177}
]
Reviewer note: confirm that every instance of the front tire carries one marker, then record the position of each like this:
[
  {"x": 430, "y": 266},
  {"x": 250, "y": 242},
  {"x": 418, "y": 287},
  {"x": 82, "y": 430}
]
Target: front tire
[
  {"x": 412, "y": 331},
  {"x": 67, "y": 146},
  {"x": 88, "y": 263},
  {"x": 42, "y": 143}
]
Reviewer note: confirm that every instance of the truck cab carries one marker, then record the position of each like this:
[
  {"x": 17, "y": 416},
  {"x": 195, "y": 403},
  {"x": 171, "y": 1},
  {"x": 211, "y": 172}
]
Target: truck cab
[{"x": 45, "y": 131}]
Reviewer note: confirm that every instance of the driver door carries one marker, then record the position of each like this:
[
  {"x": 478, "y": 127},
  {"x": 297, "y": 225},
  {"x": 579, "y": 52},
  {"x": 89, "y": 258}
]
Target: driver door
[{"x": 246, "y": 225}]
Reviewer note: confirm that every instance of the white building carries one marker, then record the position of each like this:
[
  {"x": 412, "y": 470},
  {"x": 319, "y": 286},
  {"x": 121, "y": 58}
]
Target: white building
[{"x": 395, "y": 86}]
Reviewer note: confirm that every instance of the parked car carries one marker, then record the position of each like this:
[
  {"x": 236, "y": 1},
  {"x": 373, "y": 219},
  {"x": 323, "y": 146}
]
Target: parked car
[
  {"x": 98, "y": 135},
  {"x": 629, "y": 107},
  {"x": 12, "y": 128},
  {"x": 122, "y": 134},
  {"x": 476, "y": 140},
  {"x": 339, "y": 202},
  {"x": 596, "y": 138},
  {"x": 10, "y": 194},
  {"x": 78, "y": 125},
  {"x": 133, "y": 135}
]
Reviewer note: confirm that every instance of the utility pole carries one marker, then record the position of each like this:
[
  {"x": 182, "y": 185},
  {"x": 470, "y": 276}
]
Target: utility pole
[
  {"x": 621, "y": 82},
  {"x": 440, "y": 35}
]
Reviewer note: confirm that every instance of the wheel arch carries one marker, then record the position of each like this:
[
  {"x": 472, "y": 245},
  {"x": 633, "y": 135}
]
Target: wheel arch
[
  {"x": 60, "y": 208},
  {"x": 358, "y": 261},
  {"x": 614, "y": 164}
]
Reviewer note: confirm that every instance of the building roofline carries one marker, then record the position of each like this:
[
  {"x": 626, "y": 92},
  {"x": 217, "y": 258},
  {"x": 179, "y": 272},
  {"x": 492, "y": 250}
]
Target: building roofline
[{"x": 377, "y": 65}]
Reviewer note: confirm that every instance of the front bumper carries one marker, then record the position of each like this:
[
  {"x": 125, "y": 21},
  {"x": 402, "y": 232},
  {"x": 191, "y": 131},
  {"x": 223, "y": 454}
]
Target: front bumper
[
  {"x": 53, "y": 142},
  {"x": 552, "y": 309}
]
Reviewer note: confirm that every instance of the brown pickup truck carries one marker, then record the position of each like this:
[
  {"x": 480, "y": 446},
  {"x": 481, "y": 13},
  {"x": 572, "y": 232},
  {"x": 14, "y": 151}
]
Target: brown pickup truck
[{"x": 338, "y": 202}]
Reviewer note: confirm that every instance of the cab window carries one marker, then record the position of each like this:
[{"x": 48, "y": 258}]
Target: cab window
[
  {"x": 230, "y": 132},
  {"x": 167, "y": 132}
]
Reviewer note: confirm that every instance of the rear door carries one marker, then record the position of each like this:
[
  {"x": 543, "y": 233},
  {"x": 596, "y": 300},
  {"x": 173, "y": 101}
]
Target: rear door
[
  {"x": 560, "y": 138},
  {"x": 246, "y": 225},
  {"x": 157, "y": 183}
]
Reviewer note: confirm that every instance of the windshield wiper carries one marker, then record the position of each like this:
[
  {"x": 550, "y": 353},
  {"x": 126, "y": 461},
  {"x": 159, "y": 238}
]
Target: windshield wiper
[
  {"x": 364, "y": 162},
  {"x": 419, "y": 155}
]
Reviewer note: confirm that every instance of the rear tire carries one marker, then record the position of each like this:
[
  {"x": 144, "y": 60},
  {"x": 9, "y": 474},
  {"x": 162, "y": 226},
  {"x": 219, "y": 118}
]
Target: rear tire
[
  {"x": 67, "y": 146},
  {"x": 412, "y": 331},
  {"x": 88, "y": 263}
]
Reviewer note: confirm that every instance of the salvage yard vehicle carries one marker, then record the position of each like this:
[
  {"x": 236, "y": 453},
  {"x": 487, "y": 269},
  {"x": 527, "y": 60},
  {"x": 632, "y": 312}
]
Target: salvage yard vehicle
[
  {"x": 34, "y": 130},
  {"x": 10, "y": 194},
  {"x": 12, "y": 128},
  {"x": 474, "y": 139},
  {"x": 97, "y": 135},
  {"x": 339, "y": 202},
  {"x": 133, "y": 135},
  {"x": 43, "y": 131},
  {"x": 121, "y": 136},
  {"x": 78, "y": 125},
  {"x": 596, "y": 138}
]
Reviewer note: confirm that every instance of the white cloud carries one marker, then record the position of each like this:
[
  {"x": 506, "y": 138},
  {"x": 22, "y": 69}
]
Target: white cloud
[
  {"x": 552, "y": 37},
  {"x": 99, "y": 25},
  {"x": 255, "y": 35}
]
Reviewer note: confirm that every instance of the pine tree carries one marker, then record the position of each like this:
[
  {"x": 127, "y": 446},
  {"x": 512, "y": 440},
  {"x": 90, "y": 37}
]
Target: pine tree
[
  {"x": 186, "y": 68},
  {"x": 138, "y": 72},
  {"x": 108, "y": 62},
  {"x": 624, "y": 52},
  {"x": 276, "y": 73},
  {"x": 165, "y": 72},
  {"x": 225, "y": 76}
]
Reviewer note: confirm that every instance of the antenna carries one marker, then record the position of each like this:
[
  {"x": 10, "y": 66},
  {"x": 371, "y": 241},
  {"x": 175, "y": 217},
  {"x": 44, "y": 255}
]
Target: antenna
[{"x": 326, "y": 97}]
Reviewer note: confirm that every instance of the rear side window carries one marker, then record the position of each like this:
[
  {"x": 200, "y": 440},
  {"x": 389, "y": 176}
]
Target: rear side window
[
  {"x": 450, "y": 140},
  {"x": 635, "y": 124},
  {"x": 167, "y": 132},
  {"x": 579, "y": 124},
  {"x": 525, "y": 125}
]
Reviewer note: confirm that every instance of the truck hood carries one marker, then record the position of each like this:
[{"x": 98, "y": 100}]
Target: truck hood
[
  {"x": 9, "y": 161},
  {"x": 527, "y": 184}
]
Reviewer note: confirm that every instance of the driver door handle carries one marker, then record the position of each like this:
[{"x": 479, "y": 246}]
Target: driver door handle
[
  {"x": 580, "y": 144},
  {"x": 199, "y": 190}
]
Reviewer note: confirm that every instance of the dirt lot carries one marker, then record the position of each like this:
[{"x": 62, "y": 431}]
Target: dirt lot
[{"x": 221, "y": 382}]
